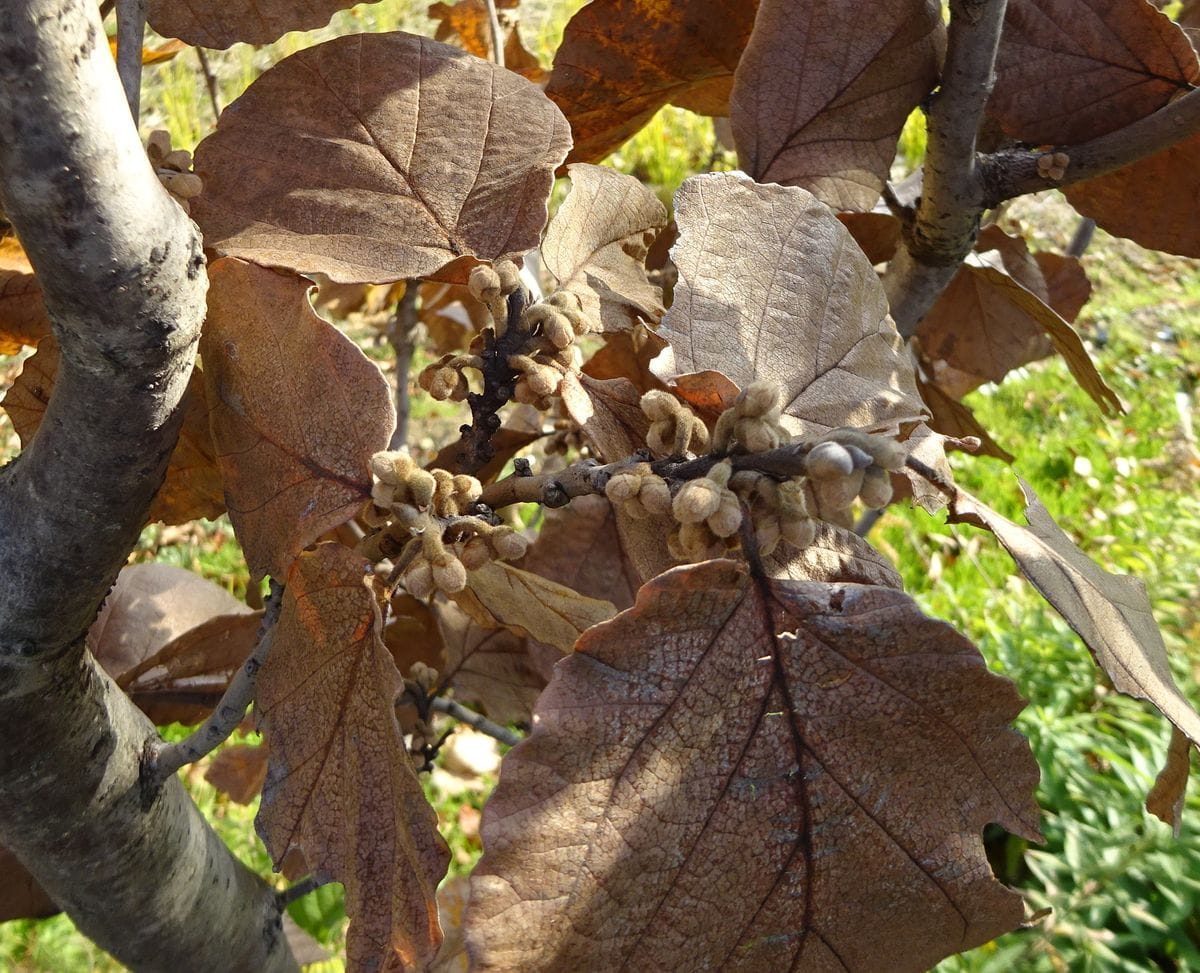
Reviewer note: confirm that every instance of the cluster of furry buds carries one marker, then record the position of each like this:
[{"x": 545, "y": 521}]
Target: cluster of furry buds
[
  {"x": 1053, "y": 165},
  {"x": 639, "y": 492},
  {"x": 674, "y": 428},
  {"x": 779, "y": 509},
  {"x": 409, "y": 502},
  {"x": 709, "y": 515},
  {"x": 444, "y": 379},
  {"x": 491, "y": 285},
  {"x": 848, "y": 464},
  {"x": 752, "y": 424},
  {"x": 173, "y": 168}
]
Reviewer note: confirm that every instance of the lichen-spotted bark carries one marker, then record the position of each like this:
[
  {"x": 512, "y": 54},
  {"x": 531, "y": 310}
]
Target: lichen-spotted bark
[{"x": 755, "y": 775}]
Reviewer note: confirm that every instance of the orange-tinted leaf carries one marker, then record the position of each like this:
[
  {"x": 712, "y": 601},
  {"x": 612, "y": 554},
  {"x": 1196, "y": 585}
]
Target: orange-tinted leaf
[
  {"x": 951, "y": 418},
  {"x": 596, "y": 247},
  {"x": 296, "y": 411},
  {"x": 1165, "y": 800},
  {"x": 1110, "y": 612},
  {"x": 518, "y": 58},
  {"x": 192, "y": 486},
  {"x": 628, "y": 354},
  {"x": 154, "y": 55},
  {"x": 731, "y": 775},
  {"x": 878, "y": 234},
  {"x": 501, "y": 596},
  {"x": 506, "y": 442},
  {"x": 1067, "y": 284},
  {"x": 621, "y": 60},
  {"x": 1142, "y": 202},
  {"x": 451, "y": 316},
  {"x": 500, "y": 672},
  {"x": 221, "y": 23},
  {"x": 23, "y": 318},
  {"x": 772, "y": 286},
  {"x": 340, "y": 783},
  {"x": 408, "y": 155},
  {"x": 239, "y": 770},
  {"x": 1070, "y": 70},
  {"x": 819, "y": 98},
  {"x": 21, "y": 897}
]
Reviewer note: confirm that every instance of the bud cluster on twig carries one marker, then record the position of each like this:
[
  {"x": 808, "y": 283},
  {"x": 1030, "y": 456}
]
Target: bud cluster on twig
[{"x": 173, "y": 168}]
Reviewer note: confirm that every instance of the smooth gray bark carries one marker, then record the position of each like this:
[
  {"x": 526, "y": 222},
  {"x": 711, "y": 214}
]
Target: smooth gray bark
[{"x": 138, "y": 869}]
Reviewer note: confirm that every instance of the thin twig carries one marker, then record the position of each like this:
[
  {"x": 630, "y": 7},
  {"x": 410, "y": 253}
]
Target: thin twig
[
  {"x": 164, "y": 760},
  {"x": 494, "y": 27},
  {"x": 106, "y": 8},
  {"x": 402, "y": 333},
  {"x": 131, "y": 31},
  {"x": 477, "y": 721},
  {"x": 299, "y": 890},
  {"x": 210, "y": 81}
]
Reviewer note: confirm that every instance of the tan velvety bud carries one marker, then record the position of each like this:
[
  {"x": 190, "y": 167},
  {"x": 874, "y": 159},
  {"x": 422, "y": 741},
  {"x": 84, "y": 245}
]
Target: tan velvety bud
[
  {"x": 660, "y": 437},
  {"x": 408, "y": 517},
  {"x": 382, "y": 468},
  {"x": 699, "y": 543},
  {"x": 658, "y": 405},
  {"x": 792, "y": 499},
  {"x": 756, "y": 435},
  {"x": 722, "y": 437},
  {"x": 510, "y": 276},
  {"x": 838, "y": 494},
  {"x": 728, "y": 518},
  {"x": 185, "y": 185},
  {"x": 450, "y": 576},
  {"x": 766, "y": 533},
  {"x": 484, "y": 283},
  {"x": 634, "y": 508},
  {"x": 475, "y": 553},
  {"x": 675, "y": 547},
  {"x": 827, "y": 461},
  {"x": 876, "y": 490},
  {"x": 623, "y": 486},
  {"x": 383, "y": 494},
  {"x": 721, "y": 472},
  {"x": 1061, "y": 160},
  {"x": 543, "y": 380},
  {"x": 888, "y": 453},
  {"x": 462, "y": 388},
  {"x": 443, "y": 492},
  {"x": 655, "y": 495},
  {"x": 467, "y": 489},
  {"x": 696, "y": 501},
  {"x": 425, "y": 376},
  {"x": 523, "y": 394},
  {"x": 418, "y": 578},
  {"x": 756, "y": 400},
  {"x": 559, "y": 331},
  {"x": 569, "y": 304},
  {"x": 443, "y": 383},
  {"x": 508, "y": 544},
  {"x": 421, "y": 486},
  {"x": 158, "y": 145},
  {"x": 543, "y": 319},
  {"x": 374, "y": 516},
  {"x": 181, "y": 160},
  {"x": 800, "y": 533}
]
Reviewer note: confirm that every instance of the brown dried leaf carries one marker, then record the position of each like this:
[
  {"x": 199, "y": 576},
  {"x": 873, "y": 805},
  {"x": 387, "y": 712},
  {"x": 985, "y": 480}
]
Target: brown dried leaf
[
  {"x": 1015, "y": 258},
  {"x": 192, "y": 486},
  {"x": 819, "y": 98},
  {"x": 800, "y": 306},
  {"x": 492, "y": 668},
  {"x": 465, "y": 23},
  {"x": 340, "y": 783},
  {"x": 609, "y": 412},
  {"x": 1067, "y": 284},
  {"x": 835, "y": 555},
  {"x": 21, "y": 897},
  {"x": 23, "y": 318},
  {"x": 297, "y": 412},
  {"x": 222, "y": 23},
  {"x": 506, "y": 443},
  {"x": 628, "y": 354},
  {"x": 621, "y": 60},
  {"x": 451, "y": 316},
  {"x": 732, "y": 774},
  {"x": 1110, "y": 612},
  {"x": 1165, "y": 800},
  {"x": 1141, "y": 202},
  {"x": 1070, "y": 70},
  {"x": 596, "y": 246},
  {"x": 951, "y": 418},
  {"x": 579, "y": 546},
  {"x": 501, "y": 596},
  {"x": 409, "y": 156},
  {"x": 239, "y": 770},
  {"x": 878, "y": 234}
]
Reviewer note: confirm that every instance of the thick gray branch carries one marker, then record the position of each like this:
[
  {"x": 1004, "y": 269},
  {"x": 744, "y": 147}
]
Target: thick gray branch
[{"x": 122, "y": 274}]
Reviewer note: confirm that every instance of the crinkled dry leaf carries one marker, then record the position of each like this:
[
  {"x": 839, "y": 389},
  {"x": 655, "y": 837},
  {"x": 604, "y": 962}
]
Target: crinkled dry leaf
[
  {"x": 21, "y": 897},
  {"x": 500, "y": 672},
  {"x": 239, "y": 770},
  {"x": 878, "y": 234},
  {"x": 950, "y": 417},
  {"x": 296, "y": 411},
  {"x": 501, "y": 596},
  {"x": 23, "y": 318},
  {"x": 628, "y": 354},
  {"x": 451, "y": 316},
  {"x": 609, "y": 412},
  {"x": 1067, "y": 284},
  {"x": 1015, "y": 258},
  {"x": 192, "y": 485},
  {"x": 596, "y": 247},
  {"x": 620, "y": 61},
  {"x": 835, "y": 555},
  {"x": 222, "y": 23},
  {"x": 819, "y": 98},
  {"x": 772, "y": 286},
  {"x": 340, "y": 783},
  {"x": 731, "y": 776},
  {"x": 378, "y": 157},
  {"x": 1142, "y": 202},
  {"x": 1165, "y": 800},
  {"x": 1110, "y": 612},
  {"x": 1070, "y": 70}
]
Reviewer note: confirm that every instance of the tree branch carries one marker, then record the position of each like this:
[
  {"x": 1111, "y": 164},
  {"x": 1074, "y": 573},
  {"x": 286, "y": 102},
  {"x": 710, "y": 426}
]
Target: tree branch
[
  {"x": 165, "y": 760},
  {"x": 402, "y": 331},
  {"x": 947, "y": 217},
  {"x": 477, "y": 721},
  {"x": 497, "y": 34},
  {"x": 131, "y": 31}
]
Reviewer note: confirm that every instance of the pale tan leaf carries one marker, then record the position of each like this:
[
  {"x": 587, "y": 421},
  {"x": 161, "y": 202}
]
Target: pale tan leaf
[
  {"x": 596, "y": 245},
  {"x": 378, "y": 157},
  {"x": 620, "y": 61},
  {"x": 835, "y": 555},
  {"x": 819, "y": 98},
  {"x": 297, "y": 411},
  {"x": 501, "y": 596},
  {"x": 1070, "y": 70},
  {"x": 222, "y": 23},
  {"x": 239, "y": 770},
  {"x": 1110, "y": 612},
  {"x": 610, "y": 414},
  {"x": 340, "y": 783},
  {"x": 772, "y": 286},
  {"x": 732, "y": 774},
  {"x": 1165, "y": 800}
]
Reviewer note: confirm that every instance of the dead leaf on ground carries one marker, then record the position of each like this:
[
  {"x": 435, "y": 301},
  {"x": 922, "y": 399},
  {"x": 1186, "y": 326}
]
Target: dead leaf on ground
[
  {"x": 730, "y": 776},
  {"x": 408, "y": 155},
  {"x": 799, "y": 306},
  {"x": 297, "y": 411},
  {"x": 239, "y": 770},
  {"x": 1071, "y": 70},
  {"x": 1165, "y": 800},
  {"x": 501, "y": 596},
  {"x": 192, "y": 486},
  {"x": 819, "y": 98},
  {"x": 340, "y": 783},
  {"x": 23, "y": 318},
  {"x": 620, "y": 61},
  {"x": 1110, "y": 612},
  {"x": 596, "y": 246},
  {"x": 222, "y": 23}
]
